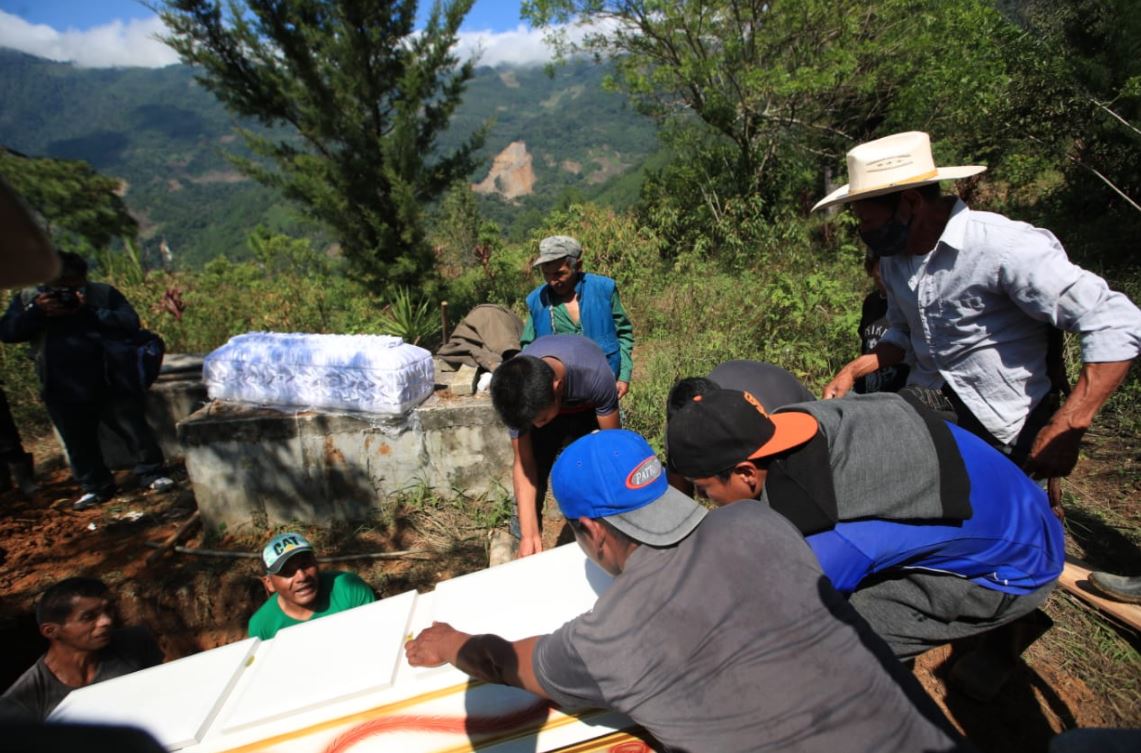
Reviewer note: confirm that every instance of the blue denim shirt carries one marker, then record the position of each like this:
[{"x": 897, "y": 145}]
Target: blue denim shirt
[{"x": 974, "y": 312}]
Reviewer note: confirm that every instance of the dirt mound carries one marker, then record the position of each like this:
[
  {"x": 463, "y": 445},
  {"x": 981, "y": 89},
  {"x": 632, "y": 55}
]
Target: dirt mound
[{"x": 512, "y": 174}]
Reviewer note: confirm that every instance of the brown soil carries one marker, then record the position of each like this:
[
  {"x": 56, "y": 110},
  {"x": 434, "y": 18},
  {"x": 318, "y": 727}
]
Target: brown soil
[{"x": 1084, "y": 673}]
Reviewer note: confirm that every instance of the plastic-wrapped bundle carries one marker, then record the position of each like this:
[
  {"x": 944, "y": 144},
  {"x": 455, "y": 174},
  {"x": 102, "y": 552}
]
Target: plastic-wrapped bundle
[{"x": 370, "y": 373}]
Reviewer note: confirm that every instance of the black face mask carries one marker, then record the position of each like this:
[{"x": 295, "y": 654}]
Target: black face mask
[{"x": 890, "y": 239}]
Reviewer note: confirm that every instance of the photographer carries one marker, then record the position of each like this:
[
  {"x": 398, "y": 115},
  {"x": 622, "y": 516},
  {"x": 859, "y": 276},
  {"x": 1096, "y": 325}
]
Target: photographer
[{"x": 69, "y": 323}]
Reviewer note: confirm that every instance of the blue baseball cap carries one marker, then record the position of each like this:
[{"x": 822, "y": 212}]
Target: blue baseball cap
[{"x": 615, "y": 475}]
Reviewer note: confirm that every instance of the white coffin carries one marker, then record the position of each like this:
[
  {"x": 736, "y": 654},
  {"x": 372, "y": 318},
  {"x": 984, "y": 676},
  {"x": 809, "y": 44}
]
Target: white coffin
[{"x": 368, "y": 373}]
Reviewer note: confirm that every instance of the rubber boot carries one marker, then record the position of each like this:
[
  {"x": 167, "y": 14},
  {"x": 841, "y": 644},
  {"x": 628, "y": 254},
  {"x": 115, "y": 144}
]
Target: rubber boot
[
  {"x": 1117, "y": 587},
  {"x": 501, "y": 547}
]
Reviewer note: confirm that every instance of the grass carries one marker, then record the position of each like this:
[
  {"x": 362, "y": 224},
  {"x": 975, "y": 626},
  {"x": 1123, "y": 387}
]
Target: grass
[{"x": 1090, "y": 649}]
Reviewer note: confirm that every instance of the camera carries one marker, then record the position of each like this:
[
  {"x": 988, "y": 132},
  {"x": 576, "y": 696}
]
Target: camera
[{"x": 66, "y": 296}]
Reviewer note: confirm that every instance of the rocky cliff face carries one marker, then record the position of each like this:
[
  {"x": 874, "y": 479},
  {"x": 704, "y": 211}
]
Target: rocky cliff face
[{"x": 511, "y": 175}]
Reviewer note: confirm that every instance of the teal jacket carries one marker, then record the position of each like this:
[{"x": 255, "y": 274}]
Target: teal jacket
[{"x": 595, "y": 295}]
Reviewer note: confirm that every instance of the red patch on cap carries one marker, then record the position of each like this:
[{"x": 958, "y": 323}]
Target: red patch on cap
[{"x": 646, "y": 473}]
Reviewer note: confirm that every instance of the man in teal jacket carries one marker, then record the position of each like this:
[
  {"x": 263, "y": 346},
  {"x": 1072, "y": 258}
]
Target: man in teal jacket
[{"x": 573, "y": 302}]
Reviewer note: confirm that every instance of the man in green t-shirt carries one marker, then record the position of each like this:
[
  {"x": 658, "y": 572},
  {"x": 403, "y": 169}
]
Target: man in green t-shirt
[{"x": 298, "y": 591}]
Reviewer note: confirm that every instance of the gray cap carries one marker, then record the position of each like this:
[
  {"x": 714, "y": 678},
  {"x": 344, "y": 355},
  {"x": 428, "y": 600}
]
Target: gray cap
[{"x": 558, "y": 247}]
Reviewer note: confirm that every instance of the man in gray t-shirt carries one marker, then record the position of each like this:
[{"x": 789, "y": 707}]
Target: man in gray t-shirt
[
  {"x": 77, "y": 617},
  {"x": 557, "y": 389},
  {"x": 719, "y": 632}
]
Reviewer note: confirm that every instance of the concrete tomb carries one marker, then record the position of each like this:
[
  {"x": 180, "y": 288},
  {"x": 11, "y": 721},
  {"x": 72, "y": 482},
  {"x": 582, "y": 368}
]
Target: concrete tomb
[{"x": 262, "y": 467}]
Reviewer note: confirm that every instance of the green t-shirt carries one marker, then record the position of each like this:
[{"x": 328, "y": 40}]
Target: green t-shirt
[{"x": 339, "y": 591}]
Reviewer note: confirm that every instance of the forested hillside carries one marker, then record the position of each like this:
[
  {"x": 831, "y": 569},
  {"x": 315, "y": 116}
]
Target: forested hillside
[{"x": 166, "y": 138}]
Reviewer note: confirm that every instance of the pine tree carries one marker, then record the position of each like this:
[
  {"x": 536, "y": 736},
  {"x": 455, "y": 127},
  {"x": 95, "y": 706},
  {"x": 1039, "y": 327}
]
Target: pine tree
[{"x": 351, "y": 104}]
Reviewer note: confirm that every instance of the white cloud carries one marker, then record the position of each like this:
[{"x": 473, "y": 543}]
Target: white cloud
[
  {"x": 519, "y": 46},
  {"x": 117, "y": 44},
  {"x": 134, "y": 43}
]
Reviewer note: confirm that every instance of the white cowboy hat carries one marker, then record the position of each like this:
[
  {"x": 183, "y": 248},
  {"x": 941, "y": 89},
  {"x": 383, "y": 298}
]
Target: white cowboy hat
[{"x": 893, "y": 163}]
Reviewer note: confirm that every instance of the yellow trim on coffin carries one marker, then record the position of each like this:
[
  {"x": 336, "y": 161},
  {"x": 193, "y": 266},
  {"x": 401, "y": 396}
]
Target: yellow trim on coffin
[
  {"x": 602, "y": 744},
  {"x": 381, "y": 711}
]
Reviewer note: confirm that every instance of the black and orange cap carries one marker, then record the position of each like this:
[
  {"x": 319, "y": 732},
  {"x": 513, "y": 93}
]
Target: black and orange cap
[{"x": 722, "y": 428}]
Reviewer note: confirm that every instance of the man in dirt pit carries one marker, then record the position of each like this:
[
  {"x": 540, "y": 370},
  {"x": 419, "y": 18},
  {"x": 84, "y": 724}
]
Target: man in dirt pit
[
  {"x": 298, "y": 591},
  {"x": 77, "y": 617},
  {"x": 718, "y": 633}
]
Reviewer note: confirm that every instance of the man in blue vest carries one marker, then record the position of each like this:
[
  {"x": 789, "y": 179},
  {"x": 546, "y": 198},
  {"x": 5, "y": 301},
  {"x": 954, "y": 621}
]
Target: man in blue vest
[{"x": 573, "y": 302}]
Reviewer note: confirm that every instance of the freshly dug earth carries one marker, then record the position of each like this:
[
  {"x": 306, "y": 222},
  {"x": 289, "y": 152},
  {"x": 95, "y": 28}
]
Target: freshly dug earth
[{"x": 1084, "y": 673}]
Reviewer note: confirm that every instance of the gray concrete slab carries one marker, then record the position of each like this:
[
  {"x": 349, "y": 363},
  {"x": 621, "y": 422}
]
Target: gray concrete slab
[{"x": 263, "y": 467}]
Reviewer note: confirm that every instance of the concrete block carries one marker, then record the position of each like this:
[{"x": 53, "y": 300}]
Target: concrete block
[
  {"x": 253, "y": 466},
  {"x": 462, "y": 380},
  {"x": 167, "y": 403}
]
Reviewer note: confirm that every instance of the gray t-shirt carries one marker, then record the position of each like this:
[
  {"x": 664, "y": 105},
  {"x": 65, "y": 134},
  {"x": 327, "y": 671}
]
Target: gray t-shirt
[
  {"x": 773, "y": 386},
  {"x": 733, "y": 640},
  {"x": 38, "y": 691},
  {"x": 589, "y": 383}
]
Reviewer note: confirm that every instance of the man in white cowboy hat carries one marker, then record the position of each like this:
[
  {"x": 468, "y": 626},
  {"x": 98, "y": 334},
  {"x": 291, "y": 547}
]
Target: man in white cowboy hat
[
  {"x": 976, "y": 296},
  {"x": 979, "y": 299}
]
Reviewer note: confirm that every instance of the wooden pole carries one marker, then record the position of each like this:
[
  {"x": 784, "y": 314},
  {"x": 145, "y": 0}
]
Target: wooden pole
[
  {"x": 444, "y": 321},
  {"x": 178, "y": 535}
]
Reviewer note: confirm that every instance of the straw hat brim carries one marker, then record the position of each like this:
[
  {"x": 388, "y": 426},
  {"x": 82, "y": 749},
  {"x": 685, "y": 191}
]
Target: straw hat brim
[{"x": 842, "y": 195}]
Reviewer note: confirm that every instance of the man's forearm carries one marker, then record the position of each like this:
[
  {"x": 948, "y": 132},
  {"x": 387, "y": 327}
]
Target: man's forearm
[
  {"x": 883, "y": 356},
  {"x": 525, "y": 494},
  {"x": 488, "y": 658},
  {"x": 1096, "y": 383}
]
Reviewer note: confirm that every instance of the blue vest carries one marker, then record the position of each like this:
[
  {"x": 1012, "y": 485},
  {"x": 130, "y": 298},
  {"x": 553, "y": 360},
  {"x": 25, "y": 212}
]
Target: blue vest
[{"x": 595, "y": 294}]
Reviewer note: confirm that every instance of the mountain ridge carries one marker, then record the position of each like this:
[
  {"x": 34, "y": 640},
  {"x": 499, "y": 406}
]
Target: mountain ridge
[{"x": 162, "y": 134}]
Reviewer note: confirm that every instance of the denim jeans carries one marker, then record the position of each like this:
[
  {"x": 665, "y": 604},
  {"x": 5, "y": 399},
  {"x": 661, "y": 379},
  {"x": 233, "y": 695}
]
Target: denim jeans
[{"x": 78, "y": 425}]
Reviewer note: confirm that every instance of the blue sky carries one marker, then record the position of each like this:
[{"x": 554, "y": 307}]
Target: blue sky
[
  {"x": 121, "y": 33},
  {"x": 486, "y": 15}
]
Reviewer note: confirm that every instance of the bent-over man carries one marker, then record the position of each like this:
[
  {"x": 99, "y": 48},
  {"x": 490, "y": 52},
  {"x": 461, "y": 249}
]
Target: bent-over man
[
  {"x": 718, "y": 633},
  {"x": 556, "y": 390}
]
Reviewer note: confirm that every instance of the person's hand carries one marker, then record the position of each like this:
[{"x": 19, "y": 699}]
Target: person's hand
[
  {"x": 1055, "y": 449},
  {"x": 437, "y": 645},
  {"x": 529, "y": 545},
  {"x": 50, "y": 304},
  {"x": 623, "y": 388},
  {"x": 840, "y": 385}
]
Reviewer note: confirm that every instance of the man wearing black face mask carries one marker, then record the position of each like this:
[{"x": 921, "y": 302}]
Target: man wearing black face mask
[{"x": 975, "y": 295}]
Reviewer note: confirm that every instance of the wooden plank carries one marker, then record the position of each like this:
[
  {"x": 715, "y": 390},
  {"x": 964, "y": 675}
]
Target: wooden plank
[{"x": 1075, "y": 580}]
